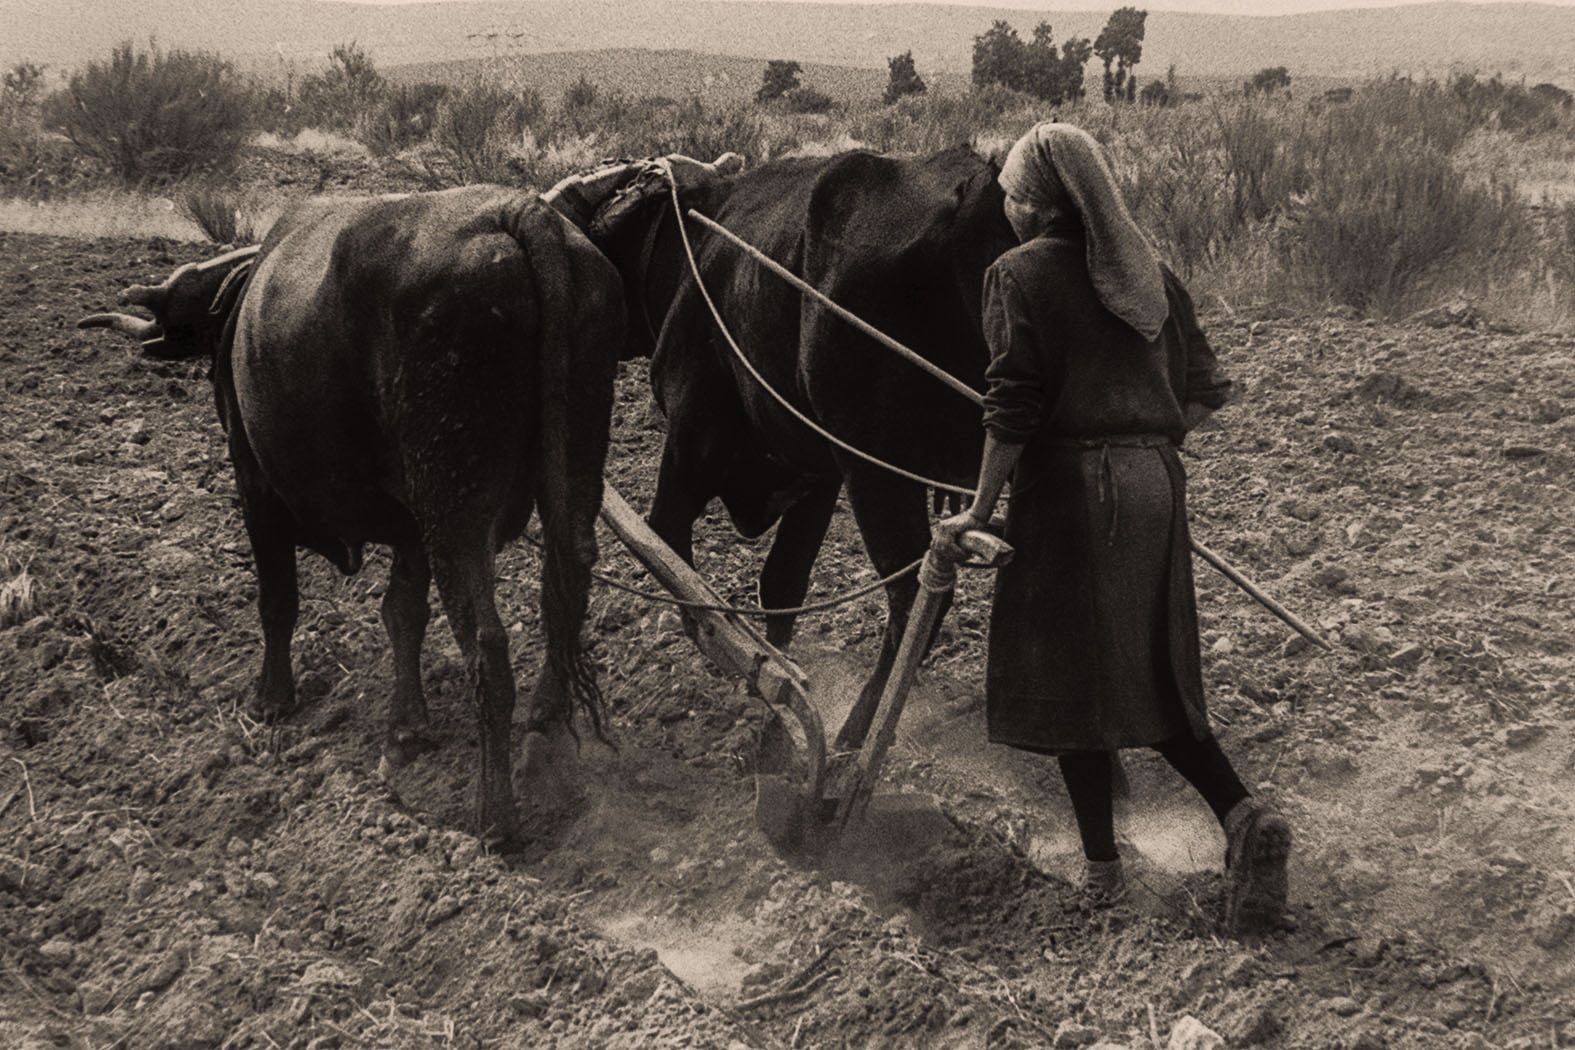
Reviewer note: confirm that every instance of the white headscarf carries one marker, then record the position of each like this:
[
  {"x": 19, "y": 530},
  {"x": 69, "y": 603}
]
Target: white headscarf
[{"x": 1053, "y": 162}]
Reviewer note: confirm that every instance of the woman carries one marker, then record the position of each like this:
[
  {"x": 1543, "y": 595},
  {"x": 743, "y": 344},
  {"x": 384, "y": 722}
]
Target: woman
[{"x": 1098, "y": 370}]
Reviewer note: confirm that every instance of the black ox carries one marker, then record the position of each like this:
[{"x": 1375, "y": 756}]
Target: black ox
[
  {"x": 422, "y": 372},
  {"x": 904, "y": 243}
]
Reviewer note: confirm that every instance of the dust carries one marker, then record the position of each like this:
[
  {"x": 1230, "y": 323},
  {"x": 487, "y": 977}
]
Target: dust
[{"x": 705, "y": 957}]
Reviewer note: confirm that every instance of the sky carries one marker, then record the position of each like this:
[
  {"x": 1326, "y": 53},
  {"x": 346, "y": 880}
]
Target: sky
[{"x": 1231, "y": 7}]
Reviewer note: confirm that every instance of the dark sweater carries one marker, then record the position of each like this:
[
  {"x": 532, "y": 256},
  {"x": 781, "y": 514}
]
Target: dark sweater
[{"x": 1062, "y": 366}]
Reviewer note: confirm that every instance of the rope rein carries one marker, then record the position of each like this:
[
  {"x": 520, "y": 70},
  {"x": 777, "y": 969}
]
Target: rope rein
[
  {"x": 727, "y": 334},
  {"x": 823, "y": 605},
  {"x": 716, "y": 315}
]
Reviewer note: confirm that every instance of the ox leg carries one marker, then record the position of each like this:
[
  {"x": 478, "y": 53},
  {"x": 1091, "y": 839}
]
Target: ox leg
[
  {"x": 465, "y": 583},
  {"x": 405, "y": 616},
  {"x": 784, "y": 580},
  {"x": 272, "y": 532},
  {"x": 548, "y": 770},
  {"x": 682, "y": 494},
  {"x": 890, "y": 512}
]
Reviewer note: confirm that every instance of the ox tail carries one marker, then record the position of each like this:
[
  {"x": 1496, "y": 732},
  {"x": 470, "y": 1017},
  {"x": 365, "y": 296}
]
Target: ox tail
[{"x": 568, "y": 504}]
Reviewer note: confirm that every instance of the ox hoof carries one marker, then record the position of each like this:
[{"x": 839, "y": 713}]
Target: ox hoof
[
  {"x": 779, "y": 638},
  {"x": 503, "y": 842},
  {"x": 548, "y": 773},
  {"x": 272, "y": 704},
  {"x": 403, "y": 745}
]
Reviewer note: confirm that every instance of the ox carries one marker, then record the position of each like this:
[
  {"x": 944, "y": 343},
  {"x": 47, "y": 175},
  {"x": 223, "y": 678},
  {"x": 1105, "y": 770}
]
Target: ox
[
  {"x": 904, "y": 243},
  {"x": 417, "y": 371}
]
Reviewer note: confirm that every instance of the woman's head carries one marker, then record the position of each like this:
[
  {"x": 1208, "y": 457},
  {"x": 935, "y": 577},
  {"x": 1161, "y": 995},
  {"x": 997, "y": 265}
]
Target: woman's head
[
  {"x": 1056, "y": 174},
  {"x": 1036, "y": 198}
]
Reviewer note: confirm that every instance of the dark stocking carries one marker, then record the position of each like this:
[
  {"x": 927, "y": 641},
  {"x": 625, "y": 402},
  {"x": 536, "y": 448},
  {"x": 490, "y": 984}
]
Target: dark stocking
[
  {"x": 1206, "y": 768},
  {"x": 1087, "y": 776}
]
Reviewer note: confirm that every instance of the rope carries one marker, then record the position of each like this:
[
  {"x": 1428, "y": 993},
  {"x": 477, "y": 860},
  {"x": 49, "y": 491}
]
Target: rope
[
  {"x": 837, "y": 308},
  {"x": 753, "y": 612},
  {"x": 1213, "y": 559},
  {"x": 716, "y": 315},
  {"x": 757, "y": 613}
]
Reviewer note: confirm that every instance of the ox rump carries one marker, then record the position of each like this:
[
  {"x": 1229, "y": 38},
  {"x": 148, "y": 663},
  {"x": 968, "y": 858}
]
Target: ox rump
[{"x": 424, "y": 372}]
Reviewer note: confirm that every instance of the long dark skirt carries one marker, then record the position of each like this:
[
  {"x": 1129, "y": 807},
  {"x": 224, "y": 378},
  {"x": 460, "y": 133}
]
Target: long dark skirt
[{"x": 1094, "y": 629}]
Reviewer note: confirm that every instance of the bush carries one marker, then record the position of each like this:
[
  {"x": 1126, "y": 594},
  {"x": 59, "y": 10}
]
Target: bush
[
  {"x": 342, "y": 96},
  {"x": 582, "y": 94},
  {"x": 1155, "y": 93},
  {"x": 903, "y": 79},
  {"x": 584, "y": 107},
  {"x": 704, "y": 133},
  {"x": 926, "y": 123},
  {"x": 1381, "y": 220},
  {"x": 20, "y": 148},
  {"x": 218, "y": 213},
  {"x": 152, "y": 116},
  {"x": 405, "y": 118},
  {"x": 1271, "y": 80},
  {"x": 780, "y": 77},
  {"x": 807, "y": 100},
  {"x": 480, "y": 127}
]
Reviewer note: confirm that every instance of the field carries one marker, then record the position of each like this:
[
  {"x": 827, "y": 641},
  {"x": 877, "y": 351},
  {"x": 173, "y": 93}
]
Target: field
[
  {"x": 175, "y": 875},
  {"x": 1391, "y": 280}
]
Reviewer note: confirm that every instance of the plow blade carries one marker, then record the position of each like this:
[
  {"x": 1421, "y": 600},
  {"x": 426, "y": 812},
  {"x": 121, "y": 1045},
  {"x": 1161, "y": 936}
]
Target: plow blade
[{"x": 790, "y": 770}]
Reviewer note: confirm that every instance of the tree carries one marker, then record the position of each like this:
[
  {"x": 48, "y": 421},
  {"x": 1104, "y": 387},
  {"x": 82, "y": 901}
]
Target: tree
[
  {"x": 780, "y": 77},
  {"x": 1121, "y": 43},
  {"x": 999, "y": 57},
  {"x": 1155, "y": 93},
  {"x": 904, "y": 79},
  {"x": 1075, "y": 54},
  {"x": 1271, "y": 80}
]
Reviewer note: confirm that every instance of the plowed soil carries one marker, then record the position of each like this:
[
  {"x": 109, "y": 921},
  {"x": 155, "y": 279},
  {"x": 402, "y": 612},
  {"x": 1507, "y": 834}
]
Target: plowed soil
[{"x": 173, "y": 874}]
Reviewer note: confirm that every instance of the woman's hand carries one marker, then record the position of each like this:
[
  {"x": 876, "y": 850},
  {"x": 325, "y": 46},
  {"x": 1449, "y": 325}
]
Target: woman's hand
[{"x": 946, "y": 532}]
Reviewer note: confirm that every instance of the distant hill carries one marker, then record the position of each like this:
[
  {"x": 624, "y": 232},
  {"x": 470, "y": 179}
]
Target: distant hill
[{"x": 1535, "y": 41}]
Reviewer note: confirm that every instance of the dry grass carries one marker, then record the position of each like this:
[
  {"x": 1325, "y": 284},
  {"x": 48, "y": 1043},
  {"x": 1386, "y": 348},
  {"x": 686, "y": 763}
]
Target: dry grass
[
  {"x": 99, "y": 213},
  {"x": 220, "y": 212},
  {"x": 18, "y": 594}
]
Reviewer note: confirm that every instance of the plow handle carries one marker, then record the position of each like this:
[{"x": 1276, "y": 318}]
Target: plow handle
[
  {"x": 987, "y": 547},
  {"x": 937, "y": 577}
]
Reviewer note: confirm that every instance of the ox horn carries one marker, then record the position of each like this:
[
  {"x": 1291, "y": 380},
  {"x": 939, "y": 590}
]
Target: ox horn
[{"x": 125, "y": 324}]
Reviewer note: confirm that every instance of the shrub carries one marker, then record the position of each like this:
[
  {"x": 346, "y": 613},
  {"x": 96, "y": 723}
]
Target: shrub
[
  {"x": 344, "y": 94},
  {"x": 584, "y": 108},
  {"x": 20, "y": 148},
  {"x": 154, "y": 116},
  {"x": 780, "y": 77},
  {"x": 1272, "y": 80},
  {"x": 807, "y": 100},
  {"x": 1380, "y": 219},
  {"x": 903, "y": 79},
  {"x": 1155, "y": 93},
  {"x": 23, "y": 83},
  {"x": 217, "y": 212},
  {"x": 926, "y": 123},
  {"x": 478, "y": 128},
  {"x": 405, "y": 118},
  {"x": 693, "y": 129}
]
